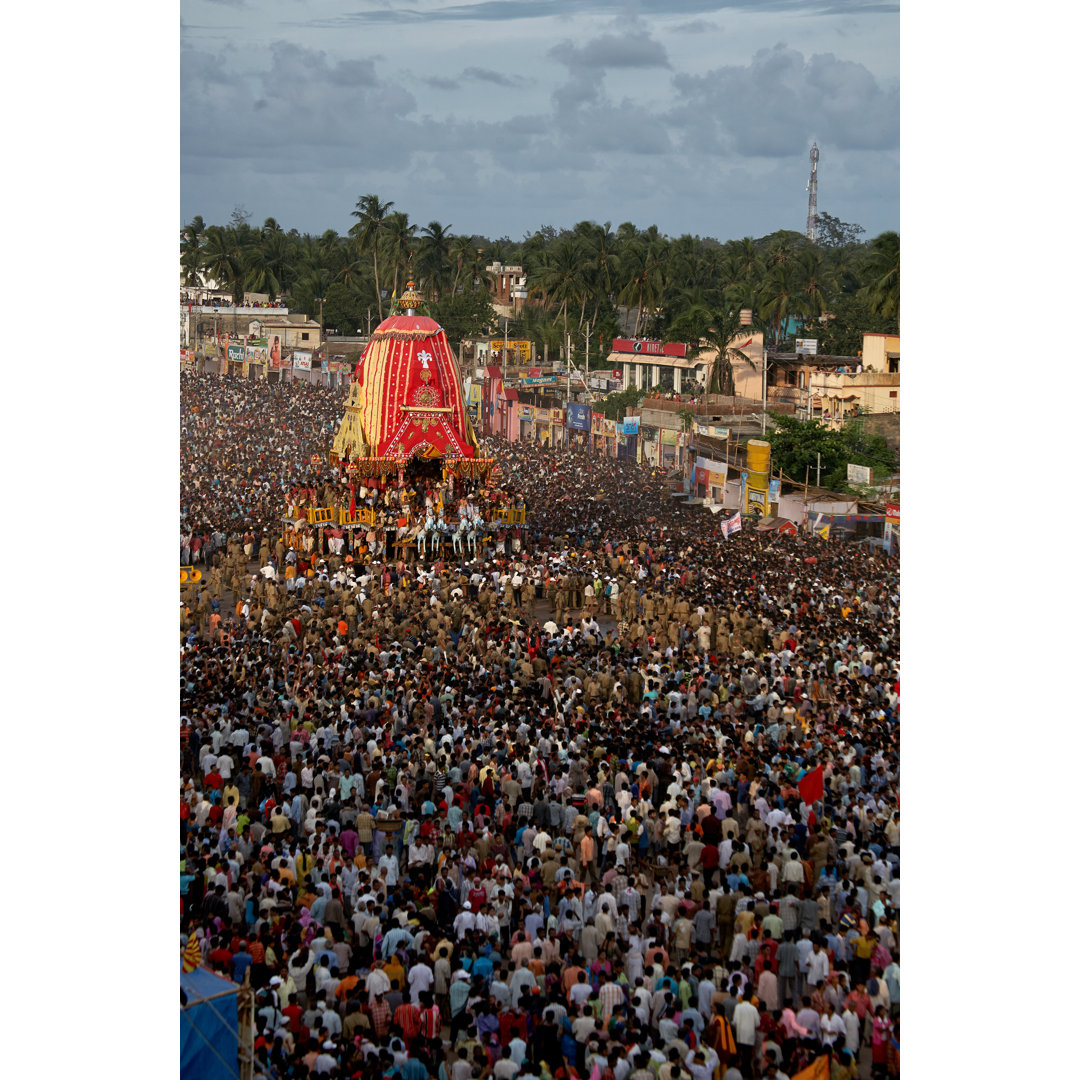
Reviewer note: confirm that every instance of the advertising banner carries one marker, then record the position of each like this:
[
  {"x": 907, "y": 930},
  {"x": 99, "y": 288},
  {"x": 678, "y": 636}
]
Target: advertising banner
[
  {"x": 236, "y": 352},
  {"x": 806, "y": 346},
  {"x": 860, "y": 474},
  {"x": 892, "y": 513},
  {"x": 774, "y": 493},
  {"x": 538, "y": 380},
  {"x": 732, "y": 525},
  {"x": 301, "y": 361},
  {"x": 711, "y": 430},
  {"x": 579, "y": 417},
  {"x": 669, "y": 438},
  {"x": 631, "y": 424},
  {"x": 648, "y": 348},
  {"x": 256, "y": 354}
]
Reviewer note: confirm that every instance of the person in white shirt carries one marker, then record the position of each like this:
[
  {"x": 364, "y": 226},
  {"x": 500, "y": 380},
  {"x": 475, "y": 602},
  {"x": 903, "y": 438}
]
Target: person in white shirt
[
  {"x": 420, "y": 978},
  {"x": 389, "y": 863},
  {"x": 745, "y": 1022},
  {"x": 833, "y": 1030}
]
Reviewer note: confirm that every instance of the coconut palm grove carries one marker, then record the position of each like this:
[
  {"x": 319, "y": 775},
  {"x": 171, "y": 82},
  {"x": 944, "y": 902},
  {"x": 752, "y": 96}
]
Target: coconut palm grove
[{"x": 613, "y": 280}]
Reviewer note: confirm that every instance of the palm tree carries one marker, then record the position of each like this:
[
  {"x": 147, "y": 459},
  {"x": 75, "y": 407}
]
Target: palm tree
[
  {"x": 779, "y": 298},
  {"x": 462, "y": 254},
  {"x": 816, "y": 281},
  {"x": 882, "y": 274},
  {"x": 719, "y": 329},
  {"x": 372, "y": 214},
  {"x": 561, "y": 275},
  {"x": 224, "y": 260},
  {"x": 192, "y": 239},
  {"x": 399, "y": 238},
  {"x": 259, "y": 272},
  {"x": 434, "y": 260}
]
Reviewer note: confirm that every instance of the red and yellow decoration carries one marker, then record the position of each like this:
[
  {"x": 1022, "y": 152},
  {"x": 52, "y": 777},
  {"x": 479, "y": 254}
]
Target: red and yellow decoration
[
  {"x": 405, "y": 398},
  {"x": 191, "y": 956}
]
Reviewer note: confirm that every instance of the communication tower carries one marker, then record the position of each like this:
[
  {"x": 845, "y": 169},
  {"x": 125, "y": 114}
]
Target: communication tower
[{"x": 811, "y": 214}]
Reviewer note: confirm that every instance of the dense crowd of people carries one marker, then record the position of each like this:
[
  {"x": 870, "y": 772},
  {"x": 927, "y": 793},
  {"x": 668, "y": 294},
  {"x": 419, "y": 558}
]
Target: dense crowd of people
[
  {"x": 615, "y": 798},
  {"x": 228, "y": 302}
]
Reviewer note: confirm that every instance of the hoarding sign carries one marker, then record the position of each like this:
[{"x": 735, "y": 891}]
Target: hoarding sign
[
  {"x": 579, "y": 417},
  {"x": 236, "y": 352},
  {"x": 892, "y": 513},
  {"x": 648, "y": 348},
  {"x": 806, "y": 346},
  {"x": 301, "y": 361},
  {"x": 860, "y": 474},
  {"x": 631, "y": 424}
]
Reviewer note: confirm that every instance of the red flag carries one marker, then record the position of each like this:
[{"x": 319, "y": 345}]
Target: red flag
[
  {"x": 812, "y": 786},
  {"x": 352, "y": 500}
]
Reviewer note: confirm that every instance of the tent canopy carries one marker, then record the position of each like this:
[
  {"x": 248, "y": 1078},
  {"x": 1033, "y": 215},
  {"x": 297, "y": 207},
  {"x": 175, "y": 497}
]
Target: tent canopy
[{"x": 209, "y": 1027}]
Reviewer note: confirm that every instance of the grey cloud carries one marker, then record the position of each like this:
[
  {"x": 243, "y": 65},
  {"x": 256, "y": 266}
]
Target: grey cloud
[
  {"x": 776, "y": 104},
  {"x": 697, "y": 26},
  {"x": 515, "y": 10},
  {"x": 637, "y": 49},
  {"x": 486, "y": 75},
  {"x": 440, "y": 83}
]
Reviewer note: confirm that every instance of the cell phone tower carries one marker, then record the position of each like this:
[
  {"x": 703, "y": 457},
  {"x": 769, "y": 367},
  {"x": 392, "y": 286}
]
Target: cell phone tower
[{"x": 811, "y": 214}]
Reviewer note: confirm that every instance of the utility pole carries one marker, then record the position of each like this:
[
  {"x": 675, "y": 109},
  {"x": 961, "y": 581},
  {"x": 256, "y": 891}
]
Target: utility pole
[
  {"x": 764, "y": 382},
  {"x": 566, "y": 411},
  {"x": 369, "y": 322},
  {"x": 819, "y": 469}
]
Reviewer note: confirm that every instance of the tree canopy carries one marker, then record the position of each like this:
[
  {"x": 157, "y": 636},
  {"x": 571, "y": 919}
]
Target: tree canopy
[
  {"x": 797, "y": 443},
  {"x": 593, "y": 281}
]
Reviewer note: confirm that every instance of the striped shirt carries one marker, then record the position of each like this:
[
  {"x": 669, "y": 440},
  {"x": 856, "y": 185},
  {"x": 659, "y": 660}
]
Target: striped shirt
[{"x": 611, "y": 997}]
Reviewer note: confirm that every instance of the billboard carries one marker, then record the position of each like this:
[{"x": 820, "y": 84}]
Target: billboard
[
  {"x": 518, "y": 352},
  {"x": 236, "y": 352},
  {"x": 859, "y": 474},
  {"x": 631, "y": 424},
  {"x": 806, "y": 346},
  {"x": 256, "y": 354},
  {"x": 538, "y": 380},
  {"x": 301, "y": 361},
  {"x": 892, "y": 513},
  {"x": 712, "y": 430},
  {"x": 579, "y": 417},
  {"x": 649, "y": 348},
  {"x": 756, "y": 487}
]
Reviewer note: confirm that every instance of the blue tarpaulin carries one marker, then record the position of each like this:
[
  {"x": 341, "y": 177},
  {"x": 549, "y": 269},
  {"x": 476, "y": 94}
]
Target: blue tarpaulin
[{"x": 209, "y": 1027}]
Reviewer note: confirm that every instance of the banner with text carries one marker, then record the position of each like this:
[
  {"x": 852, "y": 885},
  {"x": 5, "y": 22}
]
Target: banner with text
[{"x": 579, "y": 417}]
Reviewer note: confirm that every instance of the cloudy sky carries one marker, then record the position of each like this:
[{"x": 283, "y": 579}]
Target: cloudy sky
[{"x": 499, "y": 116}]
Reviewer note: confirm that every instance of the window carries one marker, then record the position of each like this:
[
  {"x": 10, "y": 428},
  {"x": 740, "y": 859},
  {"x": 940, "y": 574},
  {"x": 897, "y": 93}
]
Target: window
[
  {"x": 892, "y": 393},
  {"x": 894, "y": 364},
  {"x": 304, "y": 336}
]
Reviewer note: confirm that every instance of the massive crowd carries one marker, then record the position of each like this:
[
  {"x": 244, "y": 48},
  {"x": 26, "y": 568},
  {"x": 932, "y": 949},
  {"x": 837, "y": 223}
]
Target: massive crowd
[{"x": 615, "y": 798}]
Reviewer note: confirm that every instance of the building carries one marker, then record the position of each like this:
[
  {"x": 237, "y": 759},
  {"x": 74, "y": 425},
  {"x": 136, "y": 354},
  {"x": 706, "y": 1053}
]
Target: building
[
  {"x": 667, "y": 367},
  {"x": 833, "y": 389},
  {"x": 507, "y": 286}
]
